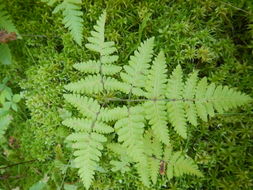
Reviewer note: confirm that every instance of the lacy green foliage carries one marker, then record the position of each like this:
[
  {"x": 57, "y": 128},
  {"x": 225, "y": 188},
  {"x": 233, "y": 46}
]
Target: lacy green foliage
[
  {"x": 72, "y": 17},
  {"x": 8, "y": 102},
  {"x": 203, "y": 34},
  {"x": 7, "y": 25},
  {"x": 179, "y": 164},
  {"x": 152, "y": 96}
]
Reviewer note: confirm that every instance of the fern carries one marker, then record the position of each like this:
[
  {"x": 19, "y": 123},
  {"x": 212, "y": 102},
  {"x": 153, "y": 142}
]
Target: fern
[
  {"x": 178, "y": 164},
  {"x": 140, "y": 123},
  {"x": 88, "y": 136},
  {"x": 199, "y": 99},
  {"x": 72, "y": 17},
  {"x": 6, "y": 24},
  {"x": 156, "y": 88}
]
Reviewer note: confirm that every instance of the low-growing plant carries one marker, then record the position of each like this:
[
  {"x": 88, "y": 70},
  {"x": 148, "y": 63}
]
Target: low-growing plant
[
  {"x": 8, "y": 102},
  {"x": 131, "y": 110}
]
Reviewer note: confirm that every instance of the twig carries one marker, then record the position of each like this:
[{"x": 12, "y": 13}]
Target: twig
[
  {"x": 143, "y": 100},
  {"x": 17, "y": 164}
]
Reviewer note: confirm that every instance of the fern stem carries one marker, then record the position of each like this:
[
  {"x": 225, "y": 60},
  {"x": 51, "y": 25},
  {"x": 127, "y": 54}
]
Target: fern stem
[{"x": 144, "y": 100}]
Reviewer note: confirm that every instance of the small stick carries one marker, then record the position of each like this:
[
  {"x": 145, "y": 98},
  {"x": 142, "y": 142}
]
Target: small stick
[{"x": 17, "y": 164}]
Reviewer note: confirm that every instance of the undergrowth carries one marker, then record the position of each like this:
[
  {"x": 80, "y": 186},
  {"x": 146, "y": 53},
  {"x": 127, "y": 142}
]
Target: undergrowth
[{"x": 210, "y": 36}]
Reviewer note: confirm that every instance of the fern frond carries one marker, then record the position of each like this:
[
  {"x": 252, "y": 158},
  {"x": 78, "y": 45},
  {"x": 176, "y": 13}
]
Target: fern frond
[
  {"x": 87, "y": 106},
  {"x": 198, "y": 99},
  {"x": 97, "y": 42},
  {"x": 153, "y": 150},
  {"x": 209, "y": 98},
  {"x": 87, "y": 125},
  {"x": 178, "y": 165},
  {"x": 140, "y": 121},
  {"x": 157, "y": 78},
  {"x": 87, "y": 152},
  {"x": 200, "y": 95},
  {"x": 156, "y": 110},
  {"x": 112, "y": 85},
  {"x": 136, "y": 72},
  {"x": 71, "y": 10},
  {"x": 113, "y": 114},
  {"x": 95, "y": 84},
  {"x": 124, "y": 162},
  {"x": 6, "y": 22},
  {"x": 95, "y": 67},
  {"x": 184, "y": 165},
  {"x": 189, "y": 94},
  {"x": 143, "y": 170},
  {"x": 156, "y": 114},
  {"x": 122, "y": 165},
  {"x": 225, "y": 98},
  {"x": 130, "y": 130},
  {"x": 175, "y": 108},
  {"x": 92, "y": 84},
  {"x": 117, "y": 148}
]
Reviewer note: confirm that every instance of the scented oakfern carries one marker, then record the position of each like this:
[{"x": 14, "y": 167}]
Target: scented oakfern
[{"x": 153, "y": 103}]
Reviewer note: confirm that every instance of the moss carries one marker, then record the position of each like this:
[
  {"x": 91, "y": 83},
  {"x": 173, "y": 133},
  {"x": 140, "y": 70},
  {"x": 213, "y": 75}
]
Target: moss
[{"x": 212, "y": 36}]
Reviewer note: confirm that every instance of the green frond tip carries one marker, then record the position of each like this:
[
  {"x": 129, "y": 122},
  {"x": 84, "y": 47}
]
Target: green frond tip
[
  {"x": 136, "y": 72},
  {"x": 157, "y": 78},
  {"x": 182, "y": 165},
  {"x": 98, "y": 44},
  {"x": 196, "y": 98},
  {"x": 87, "y": 151},
  {"x": 178, "y": 164},
  {"x": 72, "y": 18},
  {"x": 97, "y": 36}
]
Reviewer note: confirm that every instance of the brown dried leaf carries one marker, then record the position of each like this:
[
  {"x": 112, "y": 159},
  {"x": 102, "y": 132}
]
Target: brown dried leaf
[{"x": 6, "y": 37}]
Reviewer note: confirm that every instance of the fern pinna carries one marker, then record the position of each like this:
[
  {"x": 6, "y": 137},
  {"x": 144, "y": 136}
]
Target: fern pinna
[
  {"x": 72, "y": 16},
  {"x": 153, "y": 104}
]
